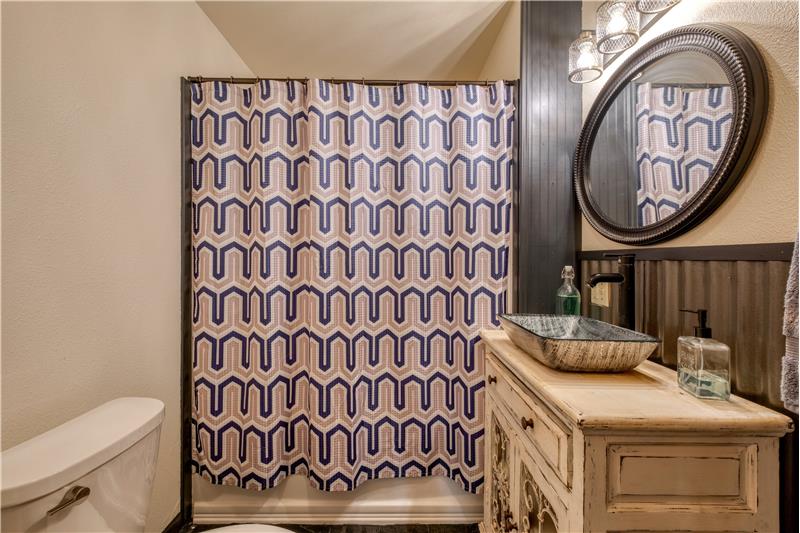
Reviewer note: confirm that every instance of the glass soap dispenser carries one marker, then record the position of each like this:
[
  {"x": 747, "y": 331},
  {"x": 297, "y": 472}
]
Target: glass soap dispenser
[
  {"x": 704, "y": 363},
  {"x": 568, "y": 297}
]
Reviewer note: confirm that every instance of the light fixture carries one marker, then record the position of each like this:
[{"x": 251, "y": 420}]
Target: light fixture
[
  {"x": 654, "y": 6},
  {"x": 585, "y": 63},
  {"x": 617, "y": 26}
]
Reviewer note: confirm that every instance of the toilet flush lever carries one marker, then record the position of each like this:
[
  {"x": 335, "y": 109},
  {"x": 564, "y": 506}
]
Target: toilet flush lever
[{"x": 74, "y": 496}]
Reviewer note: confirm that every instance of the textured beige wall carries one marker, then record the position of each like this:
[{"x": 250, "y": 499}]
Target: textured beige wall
[
  {"x": 393, "y": 39},
  {"x": 91, "y": 190},
  {"x": 763, "y": 207},
  {"x": 91, "y": 211},
  {"x": 502, "y": 61}
]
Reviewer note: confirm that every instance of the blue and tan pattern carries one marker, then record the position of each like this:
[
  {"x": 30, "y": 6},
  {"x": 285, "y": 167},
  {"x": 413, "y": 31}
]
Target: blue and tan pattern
[
  {"x": 349, "y": 242},
  {"x": 681, "y": 134}
]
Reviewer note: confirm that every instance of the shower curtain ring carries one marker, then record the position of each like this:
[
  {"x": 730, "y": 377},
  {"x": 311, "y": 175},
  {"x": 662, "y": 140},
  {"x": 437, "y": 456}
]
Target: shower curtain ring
[
  {"x": 363, "y": 82},
  {"x": 199, "y": 79},
  {"x": 231, "y": 80}
]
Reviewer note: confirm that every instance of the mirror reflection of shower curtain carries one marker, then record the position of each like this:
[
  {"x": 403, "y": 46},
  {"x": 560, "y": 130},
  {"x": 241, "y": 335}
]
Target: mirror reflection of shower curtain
[
  {"x": 681, "y": 134},
  {"x": 349, "y": 243}
]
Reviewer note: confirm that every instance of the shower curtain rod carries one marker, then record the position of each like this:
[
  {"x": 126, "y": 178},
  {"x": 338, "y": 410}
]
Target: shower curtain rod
[
  {"x": 686, "y": 85},
  {"x": 232, "y": 79}
]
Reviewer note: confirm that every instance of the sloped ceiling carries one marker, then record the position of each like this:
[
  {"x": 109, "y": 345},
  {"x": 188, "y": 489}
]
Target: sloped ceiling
[{"x": 378, "y": 40}]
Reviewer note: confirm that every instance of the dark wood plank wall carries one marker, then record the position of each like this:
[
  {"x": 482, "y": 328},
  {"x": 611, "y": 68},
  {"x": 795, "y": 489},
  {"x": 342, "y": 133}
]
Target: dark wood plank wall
[
  {"x": 550, "y": 120},
  {"x": 745, "y": 307}
]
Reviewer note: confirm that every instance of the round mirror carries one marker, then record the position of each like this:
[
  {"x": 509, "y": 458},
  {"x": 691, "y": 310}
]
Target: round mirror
[{"x": 670, "y": 134}]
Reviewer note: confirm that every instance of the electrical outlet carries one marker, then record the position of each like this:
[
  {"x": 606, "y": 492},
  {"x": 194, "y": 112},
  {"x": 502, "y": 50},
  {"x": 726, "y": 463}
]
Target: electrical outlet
[{"x": 601, "y": 295}]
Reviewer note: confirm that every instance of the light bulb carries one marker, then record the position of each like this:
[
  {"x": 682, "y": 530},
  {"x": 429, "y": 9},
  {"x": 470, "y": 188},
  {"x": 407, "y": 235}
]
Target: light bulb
[
  {"x": 585, "y": 64},
  {"x": 586, "y": 58},
  {"x": 617, "y": 26},
  {"x": 617, "y": 23}
]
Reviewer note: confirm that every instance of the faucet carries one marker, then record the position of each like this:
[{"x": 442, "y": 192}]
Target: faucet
[{"x": 625, "y": 276}]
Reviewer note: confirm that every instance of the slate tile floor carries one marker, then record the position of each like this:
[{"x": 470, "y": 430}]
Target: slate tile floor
[{"x": 409, "y": 528}]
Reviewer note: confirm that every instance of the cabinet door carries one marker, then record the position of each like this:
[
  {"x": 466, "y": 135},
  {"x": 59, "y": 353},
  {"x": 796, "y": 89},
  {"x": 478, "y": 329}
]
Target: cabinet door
[
  {"x": 539, "y": 510},
  {"x": 499, "y": 459}
]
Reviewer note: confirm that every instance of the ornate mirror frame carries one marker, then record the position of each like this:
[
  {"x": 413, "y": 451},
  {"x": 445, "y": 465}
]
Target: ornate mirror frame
[{"x": 747, "y": 75}]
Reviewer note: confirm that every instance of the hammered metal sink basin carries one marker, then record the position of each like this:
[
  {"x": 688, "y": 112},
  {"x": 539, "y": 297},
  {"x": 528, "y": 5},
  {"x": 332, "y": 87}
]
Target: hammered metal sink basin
[{"x": 578, "y": 344}]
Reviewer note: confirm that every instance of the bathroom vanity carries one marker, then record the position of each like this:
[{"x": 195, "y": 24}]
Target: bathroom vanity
[{"x": 572, "y": 452}]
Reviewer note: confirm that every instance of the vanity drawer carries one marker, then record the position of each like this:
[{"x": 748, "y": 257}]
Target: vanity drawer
[
  {"x": 533, "y": 421},
  {"x": 690, "y": 475}
]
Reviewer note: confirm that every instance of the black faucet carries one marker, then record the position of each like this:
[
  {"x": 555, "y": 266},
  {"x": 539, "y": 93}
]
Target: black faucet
[{"x": 626, "y": 278}]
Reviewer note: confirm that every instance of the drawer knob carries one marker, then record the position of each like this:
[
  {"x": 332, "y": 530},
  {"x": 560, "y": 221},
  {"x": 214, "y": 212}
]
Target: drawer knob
[
  {"x": 526, "y": 423},
  {"x": 491, "y": 379}
]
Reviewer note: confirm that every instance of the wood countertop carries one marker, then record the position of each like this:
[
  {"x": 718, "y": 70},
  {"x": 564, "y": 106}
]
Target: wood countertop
[{"x": 645, "y": 398}]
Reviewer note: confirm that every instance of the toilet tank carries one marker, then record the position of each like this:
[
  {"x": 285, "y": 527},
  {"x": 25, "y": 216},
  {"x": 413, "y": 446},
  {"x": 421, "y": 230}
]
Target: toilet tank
[{"x": 103, "y": 462}]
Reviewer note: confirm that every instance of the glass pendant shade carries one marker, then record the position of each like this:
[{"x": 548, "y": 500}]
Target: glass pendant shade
[
  {"x": 585, "y": 62},
  {"x": 654, "y": 6},
  {"x": 617, "y": 26}
]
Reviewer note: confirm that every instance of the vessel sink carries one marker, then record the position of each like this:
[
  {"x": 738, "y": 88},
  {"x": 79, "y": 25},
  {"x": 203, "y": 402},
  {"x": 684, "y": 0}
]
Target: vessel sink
[{"x": 578, "y": 344}]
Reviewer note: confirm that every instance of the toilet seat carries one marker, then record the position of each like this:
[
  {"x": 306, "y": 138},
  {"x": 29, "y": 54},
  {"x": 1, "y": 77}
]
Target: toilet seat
[{"x": 251, "y": 528}]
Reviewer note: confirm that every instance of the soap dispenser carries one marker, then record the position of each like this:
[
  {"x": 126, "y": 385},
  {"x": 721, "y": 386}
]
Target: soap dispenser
[{"x": 704, "y": 363}]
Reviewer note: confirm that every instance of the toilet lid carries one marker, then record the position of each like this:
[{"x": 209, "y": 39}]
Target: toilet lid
[{"x": 251, "y": 528}]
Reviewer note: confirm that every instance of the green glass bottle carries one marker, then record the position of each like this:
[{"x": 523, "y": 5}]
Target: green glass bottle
[{"x": 568, "y": 297}]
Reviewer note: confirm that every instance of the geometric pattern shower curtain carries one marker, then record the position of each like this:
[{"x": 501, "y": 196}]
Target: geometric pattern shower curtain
[
  {"x": 681, "y": 134},
  {"x": 349, "y": 242}
]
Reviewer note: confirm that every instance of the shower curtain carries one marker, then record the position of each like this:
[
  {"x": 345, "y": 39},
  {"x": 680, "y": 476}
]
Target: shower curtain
[
  {"x": 349, "y": 242},
  {"x": 681, "y": 134}
]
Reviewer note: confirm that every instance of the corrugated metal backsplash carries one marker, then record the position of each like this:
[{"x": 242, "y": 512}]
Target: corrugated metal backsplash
[{"x": 745, "y": 308}]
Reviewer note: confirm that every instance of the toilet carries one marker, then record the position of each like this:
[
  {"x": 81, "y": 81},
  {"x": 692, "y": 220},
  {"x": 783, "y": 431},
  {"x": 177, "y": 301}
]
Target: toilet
[{"x": 92, "y": 473}]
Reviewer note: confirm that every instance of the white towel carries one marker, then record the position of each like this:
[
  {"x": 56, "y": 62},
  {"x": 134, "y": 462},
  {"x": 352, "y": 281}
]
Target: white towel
[{"x": 789, "y": 392}]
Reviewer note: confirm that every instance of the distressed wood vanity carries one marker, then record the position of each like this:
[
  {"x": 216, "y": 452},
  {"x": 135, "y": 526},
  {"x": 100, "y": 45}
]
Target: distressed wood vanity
[{"x": 572, "y": 452}]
